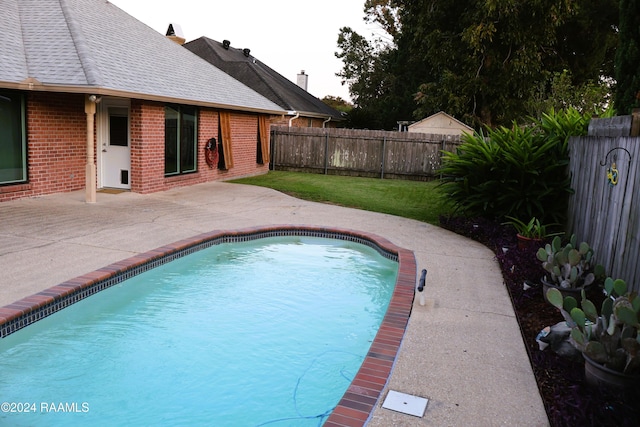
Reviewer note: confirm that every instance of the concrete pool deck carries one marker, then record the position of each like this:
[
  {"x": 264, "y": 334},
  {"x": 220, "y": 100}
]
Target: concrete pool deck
[{"x": 462, "y": 350}]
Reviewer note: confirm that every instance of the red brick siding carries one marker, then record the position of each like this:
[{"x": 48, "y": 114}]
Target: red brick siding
[
  {"x": 56, "y": 128},
  {"x": 56, "y": 146},
  {"x": 207, "y": 129},
  {"x": 147, "y": 148},
  {"x": 244, "y": 140}
]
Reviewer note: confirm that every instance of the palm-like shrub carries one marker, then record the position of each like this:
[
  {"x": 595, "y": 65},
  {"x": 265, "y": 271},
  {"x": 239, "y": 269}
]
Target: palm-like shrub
[{"x": 520, "y": 171}]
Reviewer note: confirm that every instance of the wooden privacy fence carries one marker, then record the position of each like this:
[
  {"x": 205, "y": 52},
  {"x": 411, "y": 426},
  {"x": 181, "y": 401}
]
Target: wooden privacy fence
[
  {"x": 358, "y": 152},
  {"x": 605, "y": 209}
]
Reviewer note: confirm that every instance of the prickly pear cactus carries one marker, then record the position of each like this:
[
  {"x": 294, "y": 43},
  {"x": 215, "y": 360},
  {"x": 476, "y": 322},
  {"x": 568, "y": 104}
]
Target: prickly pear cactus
[
  {"x": 611, "y": 337},
  {"x": 569, "y": 266}
]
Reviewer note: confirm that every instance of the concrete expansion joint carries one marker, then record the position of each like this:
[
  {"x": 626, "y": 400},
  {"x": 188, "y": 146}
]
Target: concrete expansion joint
[
  {"x": 102, "y": 247},
  {"x": 493, "y": 313},
  {"x": 490, "y": 256},
  {"x": 44, "y": 245},
  {"x": 471, "y": 310}
]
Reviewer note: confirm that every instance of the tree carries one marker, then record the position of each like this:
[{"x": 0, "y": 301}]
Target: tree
[
  {"x": 337, "y": 103},
  {"x": 562, "y": 93},
  {"x": 627, "y": 71},
  {"x": 483, "y": 61},
  {"x": 359, "y": 59},
  {"x": 373, "y": 69},
  {"x": 375, "y": 82},
  {"x": 385, "y": 14},
  {"x": 586, "y": 43},
  {"x": 490, "y": 57}
]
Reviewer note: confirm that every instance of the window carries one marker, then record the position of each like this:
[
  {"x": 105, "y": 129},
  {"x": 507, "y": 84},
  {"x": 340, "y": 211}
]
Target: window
[
  {"x": 13, "y": 140},
  {"x": 118, "y": 127},
  {"x": 180, "y": 139}
]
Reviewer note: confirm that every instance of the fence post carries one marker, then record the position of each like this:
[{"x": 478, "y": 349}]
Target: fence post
[
  {"x": 384, "y": 148},
  {"x": 274, "y": 134},
  {"x": 635, "y": 122},
  {"x": 444, "y": 145},
  {"x": 326, "y": 152}
]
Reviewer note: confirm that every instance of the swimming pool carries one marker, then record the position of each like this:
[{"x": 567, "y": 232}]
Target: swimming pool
[{"x": 364, "y": 390}]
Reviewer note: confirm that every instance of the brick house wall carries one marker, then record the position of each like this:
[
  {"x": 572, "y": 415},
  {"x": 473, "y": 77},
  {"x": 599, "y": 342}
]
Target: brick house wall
[
  {"x": 56, "y": 147},
  {"x": 56, "y": 141},
  {"x": 147, "y": 148},
  {"x": 244, "y": 137}
]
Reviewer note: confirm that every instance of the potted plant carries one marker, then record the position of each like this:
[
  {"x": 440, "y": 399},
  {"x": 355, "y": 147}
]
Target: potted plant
[
  {"x": 609, "y": 340},
  {"x": 570, "y": 267},
  {"x": 532, "y": 232}
]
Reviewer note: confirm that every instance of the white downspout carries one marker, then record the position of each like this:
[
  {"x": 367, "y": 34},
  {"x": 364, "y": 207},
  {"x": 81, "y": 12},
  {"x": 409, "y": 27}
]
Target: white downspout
[
  {"x": 326, "y": 121},
  {"x": 294, "y": 117}
]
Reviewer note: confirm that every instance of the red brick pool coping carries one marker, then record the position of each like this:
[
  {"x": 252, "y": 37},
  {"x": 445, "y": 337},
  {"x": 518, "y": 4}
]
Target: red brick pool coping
[{"x": 364, "y": 392}]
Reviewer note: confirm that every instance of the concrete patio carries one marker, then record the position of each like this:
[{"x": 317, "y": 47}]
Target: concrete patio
[{"x": 462, "y": 350}]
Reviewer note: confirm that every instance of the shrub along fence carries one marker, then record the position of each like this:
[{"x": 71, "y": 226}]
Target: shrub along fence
[
  {"x": 605, "y": 210},
  {"x": 355, "y": 152}
]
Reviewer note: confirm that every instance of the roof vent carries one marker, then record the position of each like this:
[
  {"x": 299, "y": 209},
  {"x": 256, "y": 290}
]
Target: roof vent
[
  {"x": 226, "y": 44},
  {"x": 246, "y": 52},
  {"x": 174, "y": 32}
]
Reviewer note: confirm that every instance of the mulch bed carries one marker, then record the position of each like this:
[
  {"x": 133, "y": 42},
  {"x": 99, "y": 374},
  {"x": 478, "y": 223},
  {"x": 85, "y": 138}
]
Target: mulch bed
[{"x": 567, "y": 399}]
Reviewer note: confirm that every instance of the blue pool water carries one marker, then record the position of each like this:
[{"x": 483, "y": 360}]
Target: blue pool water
[{"x": 268, "y": 332}]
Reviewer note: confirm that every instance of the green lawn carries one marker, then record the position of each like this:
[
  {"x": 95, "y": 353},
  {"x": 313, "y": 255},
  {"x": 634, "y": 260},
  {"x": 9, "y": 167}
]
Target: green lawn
[{"x": 409, "y": 199}]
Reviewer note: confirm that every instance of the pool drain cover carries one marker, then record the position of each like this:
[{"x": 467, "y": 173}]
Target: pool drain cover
[{"x": 405, "y": 403}]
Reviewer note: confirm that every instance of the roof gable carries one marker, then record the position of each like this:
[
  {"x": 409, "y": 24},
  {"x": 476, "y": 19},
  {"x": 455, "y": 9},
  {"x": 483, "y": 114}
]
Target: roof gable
[
  {"x": 92, "y": 45},
  {"x": 239, "y": 64},
  {"x": 441, "y": 120}
]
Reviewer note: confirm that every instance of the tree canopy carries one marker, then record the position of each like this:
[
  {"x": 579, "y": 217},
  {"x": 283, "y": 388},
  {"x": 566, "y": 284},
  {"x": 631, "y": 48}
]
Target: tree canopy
[
  {"x": 485, "y": 62},
  {"x": 337, "y": 103},
  {"x": 627, "y": 94}
]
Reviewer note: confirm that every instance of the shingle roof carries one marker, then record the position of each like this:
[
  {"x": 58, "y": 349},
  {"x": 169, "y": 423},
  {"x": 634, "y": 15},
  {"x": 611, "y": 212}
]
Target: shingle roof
[
  {"x": 13, "y": 62},
  {"x": 93, "y": 46},
  {"x": 261, "y": 78}
]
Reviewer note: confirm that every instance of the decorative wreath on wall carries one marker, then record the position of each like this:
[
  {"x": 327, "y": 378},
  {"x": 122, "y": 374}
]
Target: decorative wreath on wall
[{"x": 211, "y": 153}]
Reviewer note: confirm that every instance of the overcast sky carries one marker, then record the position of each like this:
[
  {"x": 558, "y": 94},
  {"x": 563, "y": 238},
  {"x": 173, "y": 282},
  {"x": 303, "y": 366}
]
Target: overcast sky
[{"x": 285, "y": 35}]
